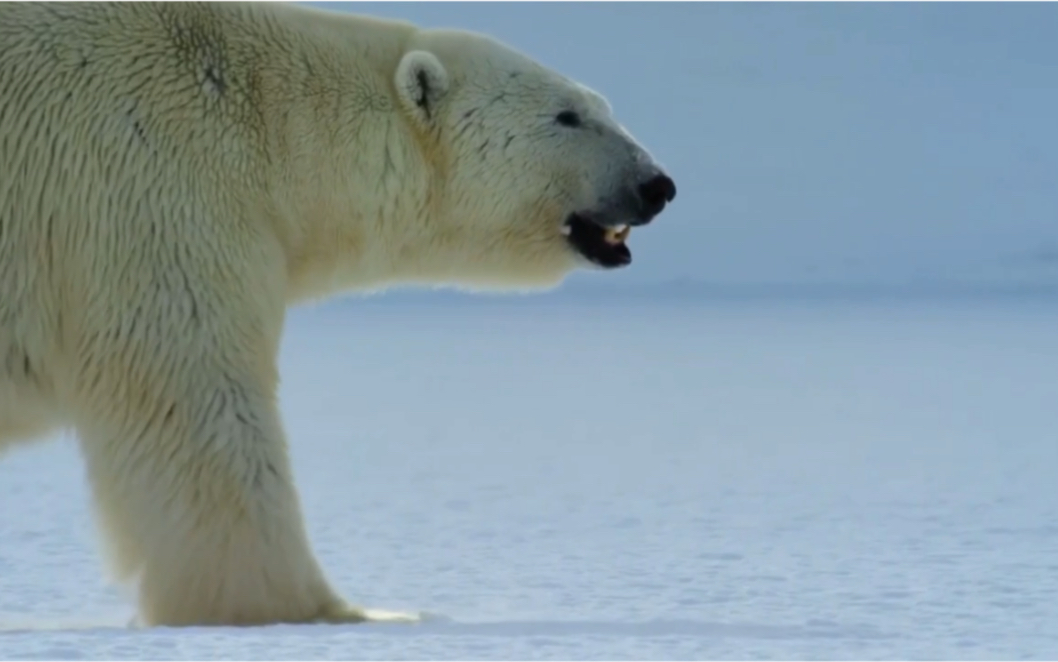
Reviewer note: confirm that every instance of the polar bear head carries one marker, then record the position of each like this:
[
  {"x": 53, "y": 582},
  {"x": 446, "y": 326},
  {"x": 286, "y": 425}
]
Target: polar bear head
[{"x": 539, "y": 178}]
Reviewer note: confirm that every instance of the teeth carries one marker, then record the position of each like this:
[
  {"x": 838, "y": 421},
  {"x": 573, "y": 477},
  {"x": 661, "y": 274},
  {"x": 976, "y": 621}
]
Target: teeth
[{"x": 618, "y": 234}]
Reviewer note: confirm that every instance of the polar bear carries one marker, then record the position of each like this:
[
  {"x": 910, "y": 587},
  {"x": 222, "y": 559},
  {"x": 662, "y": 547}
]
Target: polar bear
[{"x": 174, "y": 176}]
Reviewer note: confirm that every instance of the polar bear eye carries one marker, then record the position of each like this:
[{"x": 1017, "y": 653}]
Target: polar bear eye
[{"x": 568, "y": 118}]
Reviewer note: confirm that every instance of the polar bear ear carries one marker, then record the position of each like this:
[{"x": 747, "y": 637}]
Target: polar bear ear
[{"x": 421, "y": 82}]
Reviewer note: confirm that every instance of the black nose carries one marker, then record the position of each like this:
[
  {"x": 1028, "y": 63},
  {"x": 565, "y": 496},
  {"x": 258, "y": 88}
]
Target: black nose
[{"x": 655, "y": 193}]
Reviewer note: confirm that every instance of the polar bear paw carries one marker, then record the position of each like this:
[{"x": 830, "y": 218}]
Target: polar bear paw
[{"x": 351, "y": 614}]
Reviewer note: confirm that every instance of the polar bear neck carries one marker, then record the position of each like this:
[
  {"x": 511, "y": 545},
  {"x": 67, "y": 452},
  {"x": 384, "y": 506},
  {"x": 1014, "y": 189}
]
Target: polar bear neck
[{"x": 356, "y": 189}]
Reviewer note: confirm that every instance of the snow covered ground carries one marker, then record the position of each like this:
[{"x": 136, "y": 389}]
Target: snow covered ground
[{"x": 628, "y": 480}]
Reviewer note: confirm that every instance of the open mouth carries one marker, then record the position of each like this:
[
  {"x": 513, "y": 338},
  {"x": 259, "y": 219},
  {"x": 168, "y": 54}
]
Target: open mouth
[{"x": 604, "y": 246}]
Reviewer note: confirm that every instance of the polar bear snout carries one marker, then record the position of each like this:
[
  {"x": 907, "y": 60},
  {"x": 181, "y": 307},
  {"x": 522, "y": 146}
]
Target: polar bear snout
[
  {"x": 653, "y": 195},
  {"x": 600, "y": 235}
]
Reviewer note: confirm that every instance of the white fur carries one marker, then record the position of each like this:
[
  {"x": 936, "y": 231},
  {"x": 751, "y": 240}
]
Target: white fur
[{"x": 174, "y": 177}]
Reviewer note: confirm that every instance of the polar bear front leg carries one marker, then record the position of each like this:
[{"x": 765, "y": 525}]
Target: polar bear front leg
[{"x": 189, "y": 468}]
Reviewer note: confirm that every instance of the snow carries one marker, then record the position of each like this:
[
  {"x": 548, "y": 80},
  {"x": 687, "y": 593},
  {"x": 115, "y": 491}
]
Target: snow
[{"x": 566, "y": 479}]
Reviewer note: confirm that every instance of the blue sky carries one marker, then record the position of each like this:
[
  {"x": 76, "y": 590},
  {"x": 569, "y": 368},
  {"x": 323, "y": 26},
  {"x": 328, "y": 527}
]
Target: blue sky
[{"x": 818, "y": 142}]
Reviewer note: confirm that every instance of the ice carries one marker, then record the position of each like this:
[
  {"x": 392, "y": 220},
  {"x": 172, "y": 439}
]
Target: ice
[{"x": 673, "y": 479}]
